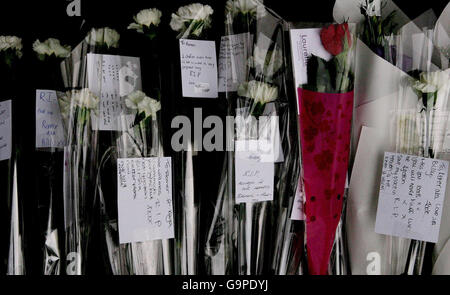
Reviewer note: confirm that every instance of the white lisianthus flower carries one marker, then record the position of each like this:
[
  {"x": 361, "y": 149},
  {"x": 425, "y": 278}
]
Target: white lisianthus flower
[
  {"x": 137, "y": 100},
  {"x": 267, "y": 62},
  {"x": 191, "y": 19},
  {"x": 103, "y": 36},
  {"x": 51, "y": 46},
  {"x": 251, "y": 8},
  {"x": 85, "y": 99},
  {"x": 11, "y": 43},
  {"x": 146, "y": 18},
  {"x": 260, "y": 92}
]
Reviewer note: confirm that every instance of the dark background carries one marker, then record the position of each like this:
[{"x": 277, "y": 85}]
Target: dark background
[{"x": 31, "y": 20}]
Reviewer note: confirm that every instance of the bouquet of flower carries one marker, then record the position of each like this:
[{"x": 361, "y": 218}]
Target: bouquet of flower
[
  {"x": 419, "y": 126},
  {"x": 12, "y": 206},
  {"x": 49, "y": 153},
  {"x": 190, "y": 22},
  {"x": 141, "y": 137},
  {"x": 80, "y": 109},
  {"x": 251, "y": 231},
  {"x": 325, "y": 115}
]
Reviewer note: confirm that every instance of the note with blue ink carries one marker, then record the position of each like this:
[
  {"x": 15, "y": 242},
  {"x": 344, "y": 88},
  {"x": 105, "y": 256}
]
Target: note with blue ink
[{"x": 49, "y": 127}]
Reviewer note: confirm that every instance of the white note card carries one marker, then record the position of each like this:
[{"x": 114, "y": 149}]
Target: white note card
[
  {"x": 49, "y": 128},
  {"x": 145, "y": 199},
  {"x": 411, "y": 198},
  {"x": 198, "y": 68},
  {"x": 233, "y": 56},
  {"x": 5, "y": 130},
  {"x": 112, "y": 78},
  {"x": 254, "y": 178}
]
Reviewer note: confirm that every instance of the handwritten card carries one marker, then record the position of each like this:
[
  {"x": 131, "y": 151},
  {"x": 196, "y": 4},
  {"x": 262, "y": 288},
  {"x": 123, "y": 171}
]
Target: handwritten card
[
  {"x": 233, "y": 55},
  {"x": 5, "y": 130},
  {"x": 411, "y": 198},
  {"x": 254, "y": 177},
  {"x": 198, "y": 68},
  {"x": 145, "y": 199},
  {"x": 49, "y": 128},
  {"x": 112, "y": 78}
]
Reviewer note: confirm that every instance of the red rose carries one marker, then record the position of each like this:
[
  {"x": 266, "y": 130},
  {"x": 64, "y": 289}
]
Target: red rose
[{"x": 333, "y": 38}]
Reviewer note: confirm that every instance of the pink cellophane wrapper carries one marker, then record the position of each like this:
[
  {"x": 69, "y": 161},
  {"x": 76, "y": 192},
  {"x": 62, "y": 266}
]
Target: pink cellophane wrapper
[{"x": 325, "y": 126}]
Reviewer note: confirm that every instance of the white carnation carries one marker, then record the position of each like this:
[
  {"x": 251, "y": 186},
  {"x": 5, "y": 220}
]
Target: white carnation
[
  {"x": 252, "y": 8},
  {"x": 137, "y": 100},
  {"x": 258, "y": 91},
  {"x": 431, "y": 82},
  {"x": 187, "y": 15},
  {"x": 85, "y": 99},
  {"x": 146, "y": 17},
  {"x": 11, "y": 43},
  {"x": 51, "y": 46}
]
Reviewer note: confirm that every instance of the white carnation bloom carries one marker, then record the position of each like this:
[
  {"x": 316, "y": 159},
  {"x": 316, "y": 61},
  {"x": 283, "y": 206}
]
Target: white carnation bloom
[
  {"x": 431, "y": 82},
  {"x": 85, "y": 99},
  {"x": 253, "y": 8},
  {"x": 41, "y": 48},
  {"x": 150, "y": 106},
  {"x": 103, "y": 36},
  {"x": 189, "y": 14},
  {"x": 111, "y": 38},
  {"x": 51, "y": 46},
  {"x": 12, "y": 43},
  {"x": 258, "y": 91},
  {"x": 137, "y": 100}
]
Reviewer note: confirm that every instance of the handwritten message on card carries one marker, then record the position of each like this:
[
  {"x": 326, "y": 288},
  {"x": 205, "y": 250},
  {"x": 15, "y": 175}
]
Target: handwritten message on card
[
  {"x": 233, "y": 56},
  {"x": 112, "y": 78},
  {"x": 411, "y": 198},
  {"x": 5, "y": 130},
  {"x": 145, "y": 199},
  {"x": 49, "y": 128},
  {"x": 254, "y": 178},
  {"x": 198, "y": 68},
  {"x": 297, "y": 209}
]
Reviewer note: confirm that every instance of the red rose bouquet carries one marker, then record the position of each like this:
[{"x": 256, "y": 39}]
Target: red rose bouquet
[{"x": 325, "y": 114}]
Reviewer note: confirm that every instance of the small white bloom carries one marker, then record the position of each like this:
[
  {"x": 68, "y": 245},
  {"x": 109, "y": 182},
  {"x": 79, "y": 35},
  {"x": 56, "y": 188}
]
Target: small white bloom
[
  {"x": 188, "y": 17},
  {"x": 51, "y": 46},
  {"x": 431, "y": 82},
  {"x": 11, "y": 43},
  {"x": 133, "y": 99},
  {"x": 85, "y": 99},
  {"x": 258, "y": 91},
  {"x": 146, "y": 18},
  {"x": 137, "y": 100},
  {"x": 103, "y": 36},
  {"x": 252, "y": 8}
]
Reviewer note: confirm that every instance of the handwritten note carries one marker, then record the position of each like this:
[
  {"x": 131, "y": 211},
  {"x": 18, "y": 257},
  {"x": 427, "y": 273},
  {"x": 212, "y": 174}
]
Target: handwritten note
[
  {"x": 145, "y": 199},
  {"x": 411, "y": 198},
  {"x": 233, "y": 55},
  {"x": 49, "y": 128},
  {"x": 254, "y": 178},
  {"x": 5, "y": 130},
  {"x": 112, "y": 78},
  {"x": 198, "y": 68}
]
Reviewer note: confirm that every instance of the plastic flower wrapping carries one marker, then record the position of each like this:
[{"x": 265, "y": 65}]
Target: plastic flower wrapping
[{"x": 253, "y": 234}]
